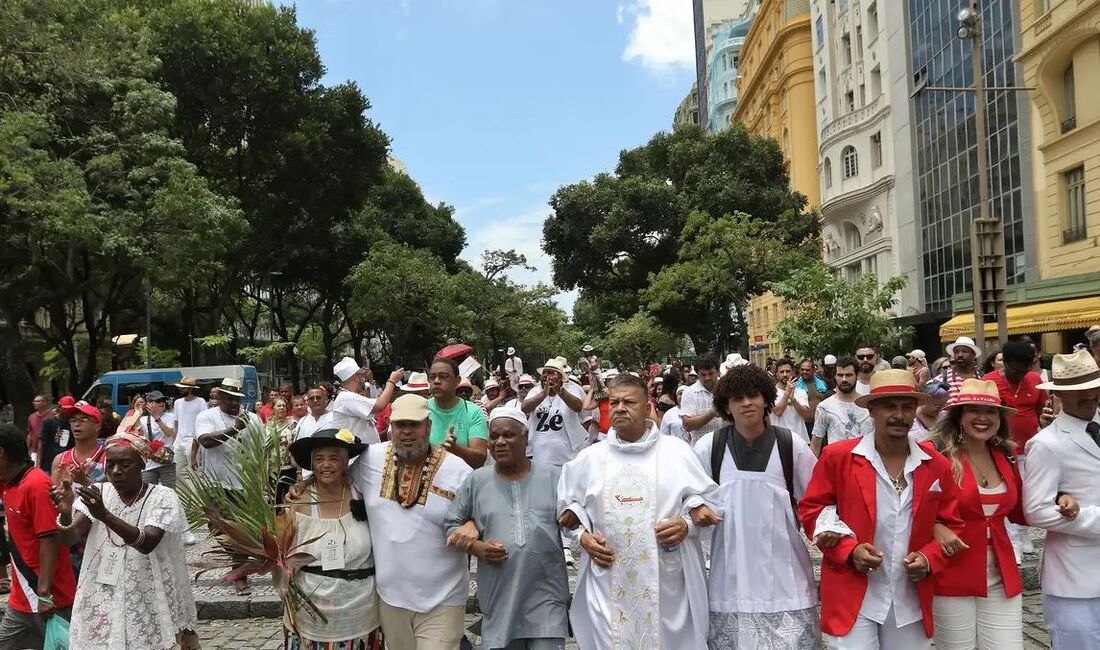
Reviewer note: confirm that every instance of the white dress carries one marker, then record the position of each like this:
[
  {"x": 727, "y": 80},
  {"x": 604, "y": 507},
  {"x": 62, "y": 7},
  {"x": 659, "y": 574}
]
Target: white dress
[
  {"x": 151, "y": 601},
  {"x": 351, "y": 606},
  {"x": 651, "y": 597},
  {"x": 762, "y": 590}
]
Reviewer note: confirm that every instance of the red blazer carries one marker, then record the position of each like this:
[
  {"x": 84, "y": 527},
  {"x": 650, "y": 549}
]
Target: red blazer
[
  {"x": 842, "y": 587},
  {"x": 967, "y": 576}
]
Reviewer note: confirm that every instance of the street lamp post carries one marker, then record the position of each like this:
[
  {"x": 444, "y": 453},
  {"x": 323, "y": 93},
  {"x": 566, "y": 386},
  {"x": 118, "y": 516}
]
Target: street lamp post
[
  {"x": 987, "y": 238},
  {"x": 987, "y": 248}
]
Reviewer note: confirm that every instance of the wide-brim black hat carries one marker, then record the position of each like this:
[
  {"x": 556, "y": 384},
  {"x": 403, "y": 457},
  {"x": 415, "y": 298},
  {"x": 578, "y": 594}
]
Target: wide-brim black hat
[{"x": 302, "y": 448}]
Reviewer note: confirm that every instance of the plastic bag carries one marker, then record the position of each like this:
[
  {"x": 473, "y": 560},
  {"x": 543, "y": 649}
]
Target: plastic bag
[{"x": 57, "y": 634}]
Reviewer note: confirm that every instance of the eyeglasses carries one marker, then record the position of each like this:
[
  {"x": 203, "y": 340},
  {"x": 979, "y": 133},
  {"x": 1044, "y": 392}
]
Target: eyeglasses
[{"x": 865, "y": 357}]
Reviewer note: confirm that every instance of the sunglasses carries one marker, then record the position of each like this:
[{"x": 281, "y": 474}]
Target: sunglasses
[{"x": 865, "y": 357}]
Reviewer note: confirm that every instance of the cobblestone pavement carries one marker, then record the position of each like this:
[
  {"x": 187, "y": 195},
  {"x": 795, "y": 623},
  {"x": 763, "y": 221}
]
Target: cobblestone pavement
[{"x": 266, "y": 633}]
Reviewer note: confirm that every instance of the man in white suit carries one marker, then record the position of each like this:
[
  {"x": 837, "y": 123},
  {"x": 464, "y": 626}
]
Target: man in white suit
[{"x": 1064, "y": 458}]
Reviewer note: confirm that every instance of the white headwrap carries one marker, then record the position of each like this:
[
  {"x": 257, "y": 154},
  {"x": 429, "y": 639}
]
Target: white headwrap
[{"x": 510, "y": 412}]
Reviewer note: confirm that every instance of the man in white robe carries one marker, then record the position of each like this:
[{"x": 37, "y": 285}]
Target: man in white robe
[
  {"x": 762, "y": 590},
  {"x": 639, "y": 500}
]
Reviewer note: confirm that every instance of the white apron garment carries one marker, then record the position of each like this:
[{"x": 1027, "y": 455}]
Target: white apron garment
[
  {"x": 651, "y": 598},
  {"x": 759, "y": 562}
]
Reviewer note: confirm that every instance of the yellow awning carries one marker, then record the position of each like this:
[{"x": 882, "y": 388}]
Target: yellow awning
[{"x": 1031, "y": 319}]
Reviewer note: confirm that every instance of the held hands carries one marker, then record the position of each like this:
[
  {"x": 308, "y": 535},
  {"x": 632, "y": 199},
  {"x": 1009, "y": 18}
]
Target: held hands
[
  {"x": 1047, "y": 417},
  {"x": 948, "y": 540},
  {"x": 827, "y": 539},
  {"x": 916, "y": 566},
  {"x": 568, "y": 520},
  {"x": 671, "y": 531},
  {"x": 492, "y": 552},
  {"x": 464, "y": 536},
  {"x": 703, "y": 516},
  {"x": 595, "y": 545},
  {"x": 865, "y": 558},
  {"x": 1068, "y": 507}
]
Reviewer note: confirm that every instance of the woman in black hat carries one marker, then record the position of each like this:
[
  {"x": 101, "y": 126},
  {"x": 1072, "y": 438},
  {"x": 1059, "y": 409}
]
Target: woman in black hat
[{"x": 341, "y": 579}]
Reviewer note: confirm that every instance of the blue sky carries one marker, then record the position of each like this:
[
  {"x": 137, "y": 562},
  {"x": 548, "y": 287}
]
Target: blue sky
[{"x": 492, "y": 104}]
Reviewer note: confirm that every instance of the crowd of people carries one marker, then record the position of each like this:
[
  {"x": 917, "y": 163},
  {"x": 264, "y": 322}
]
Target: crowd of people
[{"x": 693, "y": 493}]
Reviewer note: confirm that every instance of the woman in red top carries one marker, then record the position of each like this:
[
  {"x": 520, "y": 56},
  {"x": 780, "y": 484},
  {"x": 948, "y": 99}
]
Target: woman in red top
[{"x": 978, "y": 602}]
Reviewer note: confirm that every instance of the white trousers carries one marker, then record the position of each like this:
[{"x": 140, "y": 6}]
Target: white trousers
[
  {"x": 990, "y": 623},
  {"x": 1073, "y": 623},
  {"x": 993, "y": 622},
  {"x": 869, "y": 635}
]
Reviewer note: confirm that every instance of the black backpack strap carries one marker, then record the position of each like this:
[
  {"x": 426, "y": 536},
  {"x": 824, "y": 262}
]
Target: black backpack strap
[
  {"x": 717, "y": 451},
  {"x": 784, "y": 439}
]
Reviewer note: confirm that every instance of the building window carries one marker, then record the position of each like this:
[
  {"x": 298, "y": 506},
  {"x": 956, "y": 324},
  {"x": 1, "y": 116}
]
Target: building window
[
  {"x": 1070, "y": 97},
  {"x": 827, "y": 172},
  {"x": 1041, "y": 7},
  {"x": 850, "y": 101},
  {"x": 862, "y": 94},
  {"x": 1075, "y": 205},
  {"x": 876, "y": 150},
  {"x": 846, "y": 49},
  {"x": 859, "y": 43},
  {"x": 819, "y": 29},
  {"x": 872, "y": 20},
  {"x": 876, "y": 82},
  {"x": 851, "y": 161}
]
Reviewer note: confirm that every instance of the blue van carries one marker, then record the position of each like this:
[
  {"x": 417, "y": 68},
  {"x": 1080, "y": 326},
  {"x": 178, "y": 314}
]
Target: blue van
[{"x": 122, "y": 385}]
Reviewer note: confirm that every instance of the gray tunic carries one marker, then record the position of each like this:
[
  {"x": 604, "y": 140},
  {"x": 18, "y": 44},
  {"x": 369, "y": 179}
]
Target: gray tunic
[{"x": 526, "y": 596}]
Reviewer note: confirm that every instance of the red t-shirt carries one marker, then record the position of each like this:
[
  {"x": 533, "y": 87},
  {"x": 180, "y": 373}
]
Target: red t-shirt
[
  {"x": 35, "y": 420},
  {"x": 265, "y": 412},
  {"x": 1028, "y": 401},
  {"x": 31, "y": 516},
  {"x": 382, "y": 422}
]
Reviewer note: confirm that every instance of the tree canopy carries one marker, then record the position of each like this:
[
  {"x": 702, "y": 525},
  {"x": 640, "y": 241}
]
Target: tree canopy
[
  {"x": 827, "y": 314},
  {"x": 686, "y": 229}
]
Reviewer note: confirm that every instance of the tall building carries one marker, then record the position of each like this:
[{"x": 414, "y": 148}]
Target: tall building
[
  {"x": 708, "y": 14},
  {"x": 944, "y": 152},
  {"x": 1060, "y": 56},
  {"x": 857, "y": 52},
  {"x": 688, "y": 110},
  {"x": 727, "y": 39},
  {"x": 775, "y": 88}
]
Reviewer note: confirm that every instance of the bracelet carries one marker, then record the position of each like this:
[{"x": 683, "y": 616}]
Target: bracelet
[
  {"x": 61, "y": 525},
  {"x": 46, "y": 600},
  {"x": 140, "y": 538},
  {"x": 390, "y": 381}
]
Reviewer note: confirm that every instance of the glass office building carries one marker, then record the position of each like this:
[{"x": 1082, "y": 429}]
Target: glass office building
[{"x": 945, "y": 155}]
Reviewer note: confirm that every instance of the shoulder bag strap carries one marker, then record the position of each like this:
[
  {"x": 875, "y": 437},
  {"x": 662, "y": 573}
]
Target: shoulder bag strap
[
  {"x": 717, "y": 451},
  {"x": 784, "y": 439}
]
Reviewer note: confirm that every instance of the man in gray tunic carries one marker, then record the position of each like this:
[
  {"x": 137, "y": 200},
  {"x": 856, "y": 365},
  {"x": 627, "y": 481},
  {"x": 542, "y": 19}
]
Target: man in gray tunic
[{"x": 506, "y": 515}]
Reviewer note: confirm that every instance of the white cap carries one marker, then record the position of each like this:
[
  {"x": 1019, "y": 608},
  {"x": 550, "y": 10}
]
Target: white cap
[
  {"x": 526, "y": 380},
  {"x": 491, "y": 383},
  {"x": 510, "y": 412},
  {"x": 830, "y": 359},
  {"x": 345, "y": 369}
]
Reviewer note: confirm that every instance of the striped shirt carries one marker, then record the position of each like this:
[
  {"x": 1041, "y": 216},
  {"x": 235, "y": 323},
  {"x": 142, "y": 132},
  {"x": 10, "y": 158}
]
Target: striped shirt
[{"x": 992, "y": 498}]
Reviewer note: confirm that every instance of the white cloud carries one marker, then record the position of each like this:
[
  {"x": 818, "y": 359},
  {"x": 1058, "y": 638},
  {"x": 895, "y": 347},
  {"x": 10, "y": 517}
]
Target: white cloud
[
  {"x": 522, "y": 233},
  {"x": 662, "y": 35}
]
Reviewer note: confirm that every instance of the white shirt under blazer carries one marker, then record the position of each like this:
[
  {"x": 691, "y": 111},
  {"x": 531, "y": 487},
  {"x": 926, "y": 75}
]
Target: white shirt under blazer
[{"x": 1063, "y": 458}]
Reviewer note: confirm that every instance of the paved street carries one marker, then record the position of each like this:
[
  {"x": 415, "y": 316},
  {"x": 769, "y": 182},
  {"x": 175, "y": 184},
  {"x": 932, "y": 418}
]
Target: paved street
[{"x": 266, "y": 633}]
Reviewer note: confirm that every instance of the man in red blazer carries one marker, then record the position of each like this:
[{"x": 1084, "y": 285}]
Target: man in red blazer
[{"x": 871, "y": 505}]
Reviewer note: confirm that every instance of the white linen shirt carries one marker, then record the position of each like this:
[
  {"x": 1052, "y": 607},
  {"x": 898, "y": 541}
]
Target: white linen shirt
[{"x": 891, "y": 586}]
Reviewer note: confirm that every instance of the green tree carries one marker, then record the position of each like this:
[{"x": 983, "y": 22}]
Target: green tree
[
  {"x": 402, "y": 295},
  {"x": 722, "y": 263},
  {"x": 612, "y": 236},
  {"x": 826, "y": 314},
  {"x": 639, "y": 340},
  {"x": 96, "y": 196}
]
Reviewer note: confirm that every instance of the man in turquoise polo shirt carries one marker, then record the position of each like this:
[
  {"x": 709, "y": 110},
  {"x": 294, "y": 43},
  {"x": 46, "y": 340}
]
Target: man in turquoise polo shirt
[{"x": 469, "y": 439}]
